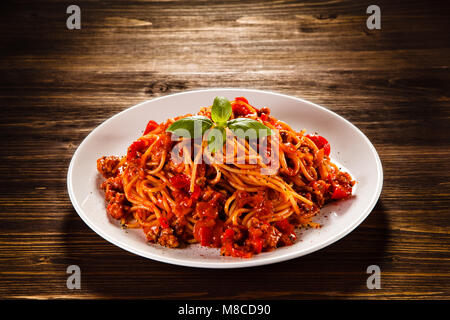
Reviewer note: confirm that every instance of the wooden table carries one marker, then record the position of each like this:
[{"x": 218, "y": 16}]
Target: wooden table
[{"x": 57, "y": 85}]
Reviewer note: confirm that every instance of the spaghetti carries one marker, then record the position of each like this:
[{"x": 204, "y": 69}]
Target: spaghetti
[{"x": 231, "y": 204}]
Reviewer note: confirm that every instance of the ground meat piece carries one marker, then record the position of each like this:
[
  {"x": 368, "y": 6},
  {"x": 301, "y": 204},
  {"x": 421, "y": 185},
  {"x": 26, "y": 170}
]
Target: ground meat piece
[
  {"x": 272, "y": 236},
  {"x": 308, "y": 212},
  {"x": 163, "y": 236},
  {"x": 168, "y": 239},
  {"x": 107, "y": 166},
  {"x": 240, "y": 233},
  {"x": 179, "y": 228},
  {"x": 286, "y": 240},
  {"x": 319, "y": 190},
  {"x": 269, "y": 234},
  {"x": 116, "y": 207},
  {"x": 344, "y": 179},
  {"x": 151, "y": 233},
  {"x": 111, "y": 186}
]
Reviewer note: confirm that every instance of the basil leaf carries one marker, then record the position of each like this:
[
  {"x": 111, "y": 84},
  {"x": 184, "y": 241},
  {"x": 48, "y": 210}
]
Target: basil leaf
[
  {"x": 248, "y": 128},
  {"x": 190, "y": 127},
  {"x": 216, "y": 138},
  {"x": 221, "y": 110}
]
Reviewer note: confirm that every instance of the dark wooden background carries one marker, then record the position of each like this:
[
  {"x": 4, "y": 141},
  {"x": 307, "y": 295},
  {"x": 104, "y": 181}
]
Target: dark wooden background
[{"x": 57, "y": 85}]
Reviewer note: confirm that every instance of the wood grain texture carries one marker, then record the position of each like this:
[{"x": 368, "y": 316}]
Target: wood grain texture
[{"x": 57, "y": 85}]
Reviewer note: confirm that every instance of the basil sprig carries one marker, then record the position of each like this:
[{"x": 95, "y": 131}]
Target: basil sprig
[
  {"x": 221, "y": 110},
  {"x": 195, "y": 126},
  {"x": 190, "y": 127},
  {"x": 240, "y": 127}
]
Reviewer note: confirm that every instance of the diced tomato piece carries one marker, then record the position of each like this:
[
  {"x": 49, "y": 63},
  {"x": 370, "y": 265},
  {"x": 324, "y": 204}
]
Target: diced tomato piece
[
  {"x": 264, "y": 117},
  {"x": 228, "y": 235},
  {"x": 206, "y": 209},
  {"x": 203, "y": 231},
  {"x": 241, "y": 99},
  {"x": 327, "y": 149},
  {"x": 284, "y": 226},
  {"x": 257, "y": 245},
  {"x": 321, "y": 142},
  {"x": 137, "y": 146},
  {"x": 240, "y": 110},
  {"x": 340, "y": 192},
  {"x": 204, "y": 236},
  {"x": 180, "y": 181},
  {"x": 217, "y": 232},
  {"x": 151, "y": 125}
]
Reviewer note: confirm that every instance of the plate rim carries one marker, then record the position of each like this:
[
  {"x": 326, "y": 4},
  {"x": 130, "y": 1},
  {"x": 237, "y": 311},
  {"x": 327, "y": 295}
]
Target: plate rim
[{"x": 241, "y": 263}]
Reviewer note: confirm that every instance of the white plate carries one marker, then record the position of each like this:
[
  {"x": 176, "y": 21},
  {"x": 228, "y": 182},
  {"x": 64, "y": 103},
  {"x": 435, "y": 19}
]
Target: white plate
[{"x": 349, "y": 147}]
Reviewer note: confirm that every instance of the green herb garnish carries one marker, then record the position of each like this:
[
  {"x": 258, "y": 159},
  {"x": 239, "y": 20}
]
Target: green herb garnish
[
  {"x": 190, "y": 127},
  {"x": 196, "y": 126}
]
